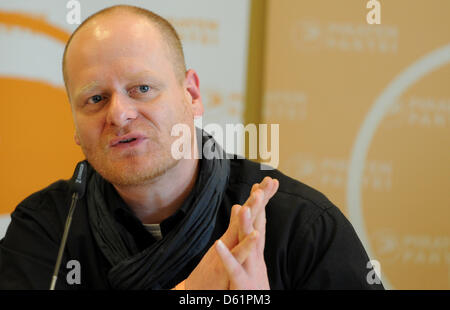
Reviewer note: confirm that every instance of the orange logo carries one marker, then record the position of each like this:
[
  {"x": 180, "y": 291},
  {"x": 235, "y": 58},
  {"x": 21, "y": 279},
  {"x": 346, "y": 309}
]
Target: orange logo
[{"x": 36, "y": 127}]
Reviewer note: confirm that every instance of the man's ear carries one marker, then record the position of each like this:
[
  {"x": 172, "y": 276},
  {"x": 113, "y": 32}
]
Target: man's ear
[
  {"x": 76, "y": 138},
  {"x": 192, "y": 87}
]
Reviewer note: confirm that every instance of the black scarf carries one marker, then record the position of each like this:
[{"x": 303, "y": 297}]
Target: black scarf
[{"x": 156, "y": 265}]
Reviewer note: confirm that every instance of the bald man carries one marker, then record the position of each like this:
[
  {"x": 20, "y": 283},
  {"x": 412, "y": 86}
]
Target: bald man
[{"x": 151, "y": 221}]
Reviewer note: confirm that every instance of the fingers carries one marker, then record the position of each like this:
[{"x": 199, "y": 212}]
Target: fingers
[
  {"x": 234, "y": 269},
  {"x": 245, "y": 222},
  {"x": 260, "y": 226},
  {"x": 230, "y": 237},
  {"x": 245, "y": 247},
  {"x": 260, "y": 221},
  {"x": 246, "y": 233},
  {"x": 260, "y": 195},
  {"x": 239, "y": 225},
  {"x": 269, "y": 186}
]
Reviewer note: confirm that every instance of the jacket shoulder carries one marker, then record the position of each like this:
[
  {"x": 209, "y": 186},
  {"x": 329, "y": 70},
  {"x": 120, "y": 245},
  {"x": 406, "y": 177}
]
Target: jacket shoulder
[
  {"x": 309, "y": 242},
  {"x": 54, "y": 193},
  {"x": 44, "y": 210}
]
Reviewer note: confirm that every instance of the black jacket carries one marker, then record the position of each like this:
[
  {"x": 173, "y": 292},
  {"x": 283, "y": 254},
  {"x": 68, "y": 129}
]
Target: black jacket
[{"x": 309, "y": 242}]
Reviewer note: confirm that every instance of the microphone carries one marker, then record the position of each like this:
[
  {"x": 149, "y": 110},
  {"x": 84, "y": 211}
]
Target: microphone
[
  {"x": 77, "y": 188},
  {"x": 78, "y": 181}
]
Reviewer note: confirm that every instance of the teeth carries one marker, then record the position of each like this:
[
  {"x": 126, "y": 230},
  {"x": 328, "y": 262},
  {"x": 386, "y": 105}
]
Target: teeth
[{"x": 127, "y": 140}]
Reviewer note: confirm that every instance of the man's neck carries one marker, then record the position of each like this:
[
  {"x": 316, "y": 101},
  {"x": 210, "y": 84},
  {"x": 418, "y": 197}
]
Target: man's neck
[{"x": 162, "y": 197}]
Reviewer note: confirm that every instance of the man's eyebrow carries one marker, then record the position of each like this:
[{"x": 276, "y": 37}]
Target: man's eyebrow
[{"x": 86, "y": 88}]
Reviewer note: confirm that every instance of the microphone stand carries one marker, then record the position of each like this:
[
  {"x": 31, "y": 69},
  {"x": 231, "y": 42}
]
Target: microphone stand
[{"x": 63, "y": 241}]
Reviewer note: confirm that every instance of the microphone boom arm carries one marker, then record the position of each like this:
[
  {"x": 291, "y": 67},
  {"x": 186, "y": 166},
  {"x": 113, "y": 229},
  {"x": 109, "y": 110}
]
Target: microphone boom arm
[{"x": 63, "y": 241}]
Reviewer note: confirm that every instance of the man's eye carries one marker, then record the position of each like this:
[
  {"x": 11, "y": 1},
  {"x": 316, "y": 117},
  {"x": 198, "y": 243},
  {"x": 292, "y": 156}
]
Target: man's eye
[
  {"x": 139, "y": 90},
  {"x": 144, "y": 88},
  {"x": 95, "y": 99}
]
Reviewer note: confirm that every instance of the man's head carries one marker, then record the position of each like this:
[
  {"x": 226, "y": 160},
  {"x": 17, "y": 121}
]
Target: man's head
[
  {"x": 125, "y": 78},
  {"x": 171, "y": 38}
]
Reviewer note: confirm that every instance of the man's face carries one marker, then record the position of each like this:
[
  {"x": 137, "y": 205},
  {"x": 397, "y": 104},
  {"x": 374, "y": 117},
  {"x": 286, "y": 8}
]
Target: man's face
[{"x": 126, "y": 97}]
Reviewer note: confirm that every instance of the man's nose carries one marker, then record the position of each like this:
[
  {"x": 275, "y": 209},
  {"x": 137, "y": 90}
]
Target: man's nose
[{"x": 121, "y": 110}]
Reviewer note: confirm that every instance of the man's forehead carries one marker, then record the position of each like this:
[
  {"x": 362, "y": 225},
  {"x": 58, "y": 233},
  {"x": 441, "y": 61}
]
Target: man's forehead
[
  {"x": 113, "y": 24},
  {"x": 111, "y": 35},
  {"x": 124, "y": 38}
]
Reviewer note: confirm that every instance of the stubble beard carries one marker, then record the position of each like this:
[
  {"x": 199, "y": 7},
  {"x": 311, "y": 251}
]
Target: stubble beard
[{"x": 132, "y": 169}]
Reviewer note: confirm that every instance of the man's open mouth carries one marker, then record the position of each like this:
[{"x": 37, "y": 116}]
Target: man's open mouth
[
  {"x": 127, "y": 140},
  {"x": 130, "y": 138}
]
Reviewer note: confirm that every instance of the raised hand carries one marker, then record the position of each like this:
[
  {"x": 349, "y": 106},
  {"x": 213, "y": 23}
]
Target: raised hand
[
  {"x": 245, "y": 237},
  {"x": 252, "y": 274}
]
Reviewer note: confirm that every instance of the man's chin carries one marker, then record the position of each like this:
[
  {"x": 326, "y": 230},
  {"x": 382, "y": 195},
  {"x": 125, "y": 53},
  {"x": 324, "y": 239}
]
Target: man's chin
[{"x": 131, "y": 173}]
